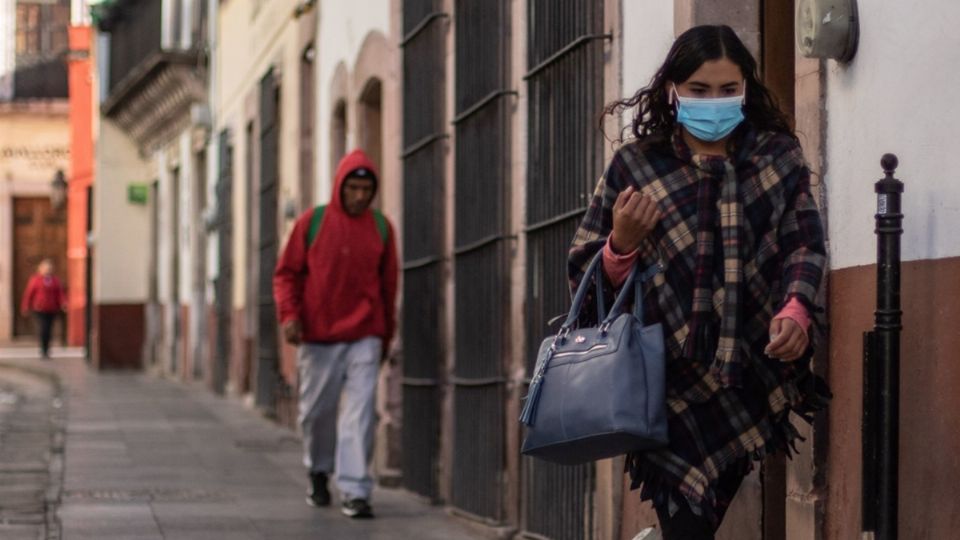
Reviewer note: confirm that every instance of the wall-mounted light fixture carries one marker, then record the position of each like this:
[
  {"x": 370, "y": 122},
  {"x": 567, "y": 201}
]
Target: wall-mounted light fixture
[
  {"x": 58, "y": 190},
  {"x": 290, "y": 209},
  {"x": 827, "y": 29}
]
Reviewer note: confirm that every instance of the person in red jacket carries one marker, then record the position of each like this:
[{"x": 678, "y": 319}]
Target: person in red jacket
[
  {"x": 335, "y": 287},
  {"x": 45, "y": 298}
]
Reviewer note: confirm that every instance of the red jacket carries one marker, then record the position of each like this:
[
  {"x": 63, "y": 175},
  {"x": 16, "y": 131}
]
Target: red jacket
[
  {"x": 43, "y": 295},
  {"x": 343, "y": 287}
]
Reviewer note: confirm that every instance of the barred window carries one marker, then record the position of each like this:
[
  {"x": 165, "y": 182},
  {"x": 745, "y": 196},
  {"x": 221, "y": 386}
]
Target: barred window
[
  {"x": 481, "y": 254},
  {"x": 423, "y": 223},
  {"x": 565, "y": 158}
]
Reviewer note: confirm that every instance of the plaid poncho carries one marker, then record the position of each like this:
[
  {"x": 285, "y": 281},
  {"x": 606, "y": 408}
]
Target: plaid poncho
[{"x": 727, "y": 402}]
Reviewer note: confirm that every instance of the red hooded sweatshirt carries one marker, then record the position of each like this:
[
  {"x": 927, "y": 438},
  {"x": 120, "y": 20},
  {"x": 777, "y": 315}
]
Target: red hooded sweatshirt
[
  {"x": 44, "y": 294},
  {"x": 343, "y": 287}
]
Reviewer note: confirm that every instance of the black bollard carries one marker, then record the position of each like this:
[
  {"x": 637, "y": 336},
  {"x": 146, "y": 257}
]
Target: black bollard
[{"x": 881, "y": 411}]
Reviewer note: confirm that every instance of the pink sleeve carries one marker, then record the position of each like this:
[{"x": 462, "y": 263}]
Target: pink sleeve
[
  {"x": 616, "y": 266},
  {"x": 797, "y": 312}
]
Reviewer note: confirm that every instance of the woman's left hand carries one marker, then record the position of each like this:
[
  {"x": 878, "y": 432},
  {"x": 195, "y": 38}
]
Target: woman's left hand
[{"x": 788, "y": 341}]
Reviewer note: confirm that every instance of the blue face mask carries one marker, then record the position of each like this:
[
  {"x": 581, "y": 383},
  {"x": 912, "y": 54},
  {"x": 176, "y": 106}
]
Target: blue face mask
[{"x": 710, "y": 119}]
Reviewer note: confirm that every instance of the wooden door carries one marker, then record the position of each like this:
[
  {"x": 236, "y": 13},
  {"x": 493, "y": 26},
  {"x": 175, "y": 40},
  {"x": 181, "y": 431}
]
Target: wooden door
[
  {"x": 778, "y": 52},
  {"x": 39, "y": 232}
]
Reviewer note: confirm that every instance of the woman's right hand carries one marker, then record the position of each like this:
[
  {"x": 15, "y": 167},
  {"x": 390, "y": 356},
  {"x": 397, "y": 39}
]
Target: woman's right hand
[{"x": 634, "y": 216}]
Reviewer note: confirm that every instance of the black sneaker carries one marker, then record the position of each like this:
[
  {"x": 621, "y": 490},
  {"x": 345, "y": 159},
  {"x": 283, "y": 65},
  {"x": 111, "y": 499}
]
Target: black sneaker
[
  {"x": 318, "y": 495},
  {"x": 357, "y": 509}
]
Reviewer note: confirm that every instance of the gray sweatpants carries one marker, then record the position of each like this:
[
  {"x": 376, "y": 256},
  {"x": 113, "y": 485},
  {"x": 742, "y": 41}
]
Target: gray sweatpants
[{"x": 327, "y": 373}]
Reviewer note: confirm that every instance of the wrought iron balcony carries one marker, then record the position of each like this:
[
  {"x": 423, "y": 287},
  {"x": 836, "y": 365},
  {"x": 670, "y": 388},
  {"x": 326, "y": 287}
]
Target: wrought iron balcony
[
  {"x": 151, "y": 87},
  {"x": 42, "y": 79}
]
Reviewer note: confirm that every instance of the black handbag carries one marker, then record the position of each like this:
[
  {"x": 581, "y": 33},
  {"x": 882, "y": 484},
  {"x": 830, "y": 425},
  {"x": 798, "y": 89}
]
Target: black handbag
[{"x": 598, "y": 392}]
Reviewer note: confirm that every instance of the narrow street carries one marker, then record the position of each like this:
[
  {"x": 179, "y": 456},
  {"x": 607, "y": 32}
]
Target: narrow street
[
  {"x": 146, "y": 458},
  {"x": 31, "y": 453}
]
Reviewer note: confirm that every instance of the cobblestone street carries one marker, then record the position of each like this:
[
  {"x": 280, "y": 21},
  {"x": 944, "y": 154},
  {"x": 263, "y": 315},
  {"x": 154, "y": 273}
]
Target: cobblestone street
[
  {"x": 152, "y": 459},
  {"x": 31, "y": 453}
]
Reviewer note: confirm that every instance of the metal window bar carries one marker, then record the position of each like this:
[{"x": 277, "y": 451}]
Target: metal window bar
[
  {"x": 564, "y": 82},
  {"x": 481, "y": 266},
  {"x": 268, "y": 347},
  {"x": 423, "y": 174},
  {"x": 224, "y": 281}
]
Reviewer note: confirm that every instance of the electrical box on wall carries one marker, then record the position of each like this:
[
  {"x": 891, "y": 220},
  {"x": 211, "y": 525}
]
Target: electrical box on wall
[{"x": 827, "y": 29}]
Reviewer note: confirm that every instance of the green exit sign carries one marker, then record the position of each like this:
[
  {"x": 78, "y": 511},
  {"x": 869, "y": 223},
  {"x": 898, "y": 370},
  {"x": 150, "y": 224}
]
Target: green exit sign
[{"x": 137, "y": 194}]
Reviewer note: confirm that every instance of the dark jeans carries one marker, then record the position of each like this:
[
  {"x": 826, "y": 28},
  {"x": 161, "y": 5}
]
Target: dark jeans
[
  {"x": 685, "y": 525},
  {"x": 45, "y": 328}
]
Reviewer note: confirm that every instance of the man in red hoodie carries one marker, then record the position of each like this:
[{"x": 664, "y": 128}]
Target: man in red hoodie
[
  {"x": 335, "y": 287},
  {"x": 44, "y": 298}
]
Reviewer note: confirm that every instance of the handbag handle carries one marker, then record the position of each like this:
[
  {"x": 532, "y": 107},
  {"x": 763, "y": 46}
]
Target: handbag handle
[
  {"x": 577, "y": 304},
  {"x": 630, "y": 284},
  {"x": 647, "y": 274}
]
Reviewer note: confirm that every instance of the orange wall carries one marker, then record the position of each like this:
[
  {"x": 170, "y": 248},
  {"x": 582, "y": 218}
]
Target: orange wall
[{"x": 80, "y": 177}]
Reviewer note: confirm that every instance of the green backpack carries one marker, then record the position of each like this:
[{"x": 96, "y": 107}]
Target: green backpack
[{"x": 317, "y": 219}]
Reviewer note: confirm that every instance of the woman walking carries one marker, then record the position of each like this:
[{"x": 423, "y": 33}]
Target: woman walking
[
  {"x": 713, "y": 187},
  {"x": 45, "y": 298}
]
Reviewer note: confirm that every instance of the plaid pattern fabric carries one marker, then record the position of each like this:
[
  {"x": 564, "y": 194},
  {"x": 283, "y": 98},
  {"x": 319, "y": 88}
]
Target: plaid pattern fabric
[
  {"x": 717, "y": 174},
  {"x": 761, "y": 212}
]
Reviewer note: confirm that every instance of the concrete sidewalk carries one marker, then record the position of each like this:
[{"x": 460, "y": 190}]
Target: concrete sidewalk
[{"x": 148, "y": 459}]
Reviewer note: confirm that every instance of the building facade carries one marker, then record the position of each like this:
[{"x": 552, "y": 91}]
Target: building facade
[
  {"x": 148, "y": 239},
  {"x": 483, "y": 119},
  {"x": 34, "y": 147},
  {"x": 869, "y": 112},
  {"x": 263, "y": 99}
]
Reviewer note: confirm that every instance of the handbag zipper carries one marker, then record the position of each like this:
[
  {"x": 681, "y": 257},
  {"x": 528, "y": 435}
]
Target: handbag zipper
[{"x": 597, "y": 347}]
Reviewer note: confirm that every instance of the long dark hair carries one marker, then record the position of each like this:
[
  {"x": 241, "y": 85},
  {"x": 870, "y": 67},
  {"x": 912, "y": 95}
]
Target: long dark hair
[{"x": 653, "y": 114}]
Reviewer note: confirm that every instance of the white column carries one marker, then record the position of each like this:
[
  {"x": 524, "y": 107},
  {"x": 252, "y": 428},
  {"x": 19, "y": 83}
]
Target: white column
[
  {"x": 7, "y": 48},
  {"x": 6, "y": 261},
  {"x": 187, "y": 14},
  {"x": 79, "y": 13},
  {"x": 168, "y": 34}
]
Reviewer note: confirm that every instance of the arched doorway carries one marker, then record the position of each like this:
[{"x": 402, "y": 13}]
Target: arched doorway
[
  {"x": 338, "y": 135},
  {"x": 370, "y": 123}
]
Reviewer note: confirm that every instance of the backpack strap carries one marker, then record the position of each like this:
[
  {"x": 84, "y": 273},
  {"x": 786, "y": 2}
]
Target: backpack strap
[
  {"x": 317, "y": 219},
  {"x": 381, "y": 225},
  {"x": 315, "y": 222}
]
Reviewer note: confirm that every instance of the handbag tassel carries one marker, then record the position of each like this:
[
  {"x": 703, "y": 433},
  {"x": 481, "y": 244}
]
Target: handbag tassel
[{"x": 530, "y": 402}]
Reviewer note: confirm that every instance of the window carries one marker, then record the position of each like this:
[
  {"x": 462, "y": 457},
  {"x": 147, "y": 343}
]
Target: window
[
  {"x": 424, "y": 128},
  {"x": 565, "y": 158},
  {"x": 134, "y": 37},
  {"x": 41, "y": 30},
  {"x": 481, "y": 254},
  {"x": 28, "y": 29}
]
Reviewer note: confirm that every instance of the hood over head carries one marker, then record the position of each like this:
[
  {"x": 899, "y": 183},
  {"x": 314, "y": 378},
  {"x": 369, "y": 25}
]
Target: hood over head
[{"x": 354, "y": 164}]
